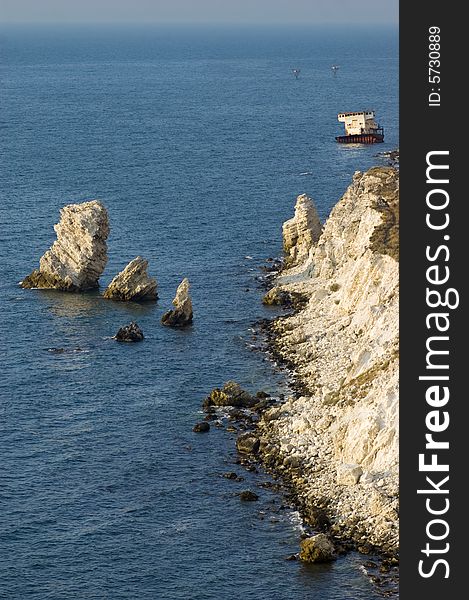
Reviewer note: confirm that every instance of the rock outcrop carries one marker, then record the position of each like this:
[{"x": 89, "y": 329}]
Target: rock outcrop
[
  {"x": 181, "y": 314},
  {"x": 133, "y": 283},
  {"x": 77, "y": 258},
  {"x": 301, "y": 232},
  {"x": 343, "y": 348},
  {"x": 129, "y": 333}
]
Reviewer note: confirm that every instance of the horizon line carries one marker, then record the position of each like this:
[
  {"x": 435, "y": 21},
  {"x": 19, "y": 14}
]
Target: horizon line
[{"x": 196, "y": 23}]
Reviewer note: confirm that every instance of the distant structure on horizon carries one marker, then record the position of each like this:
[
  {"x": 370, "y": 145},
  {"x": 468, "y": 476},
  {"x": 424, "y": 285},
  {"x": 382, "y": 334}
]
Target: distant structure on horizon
[
  {"x": 360, "y": 128},
  {"x": 296, "y": 73}
]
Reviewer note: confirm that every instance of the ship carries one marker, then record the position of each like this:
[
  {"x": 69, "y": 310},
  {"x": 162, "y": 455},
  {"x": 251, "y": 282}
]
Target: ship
[{"x": 360, "y": 128}]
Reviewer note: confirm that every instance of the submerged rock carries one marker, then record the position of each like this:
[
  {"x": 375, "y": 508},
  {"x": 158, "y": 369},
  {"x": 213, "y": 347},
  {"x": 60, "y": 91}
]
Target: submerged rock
[
  {"x": 129, "y": 333},
  {"x": 181, "y": 315},
  {"x": 201, "y": 427},
  {"x": 77, "y": 258},
  {"x": 248, "y": 496},
  {"x": 317, "y": 548},
  {"x": 301, "y": 232},
  {"x": 133, "y": 283},
  {"x": 231, "y": 394}
]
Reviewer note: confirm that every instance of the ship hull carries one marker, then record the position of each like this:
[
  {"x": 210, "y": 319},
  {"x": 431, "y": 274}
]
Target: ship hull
[{"x": 361, "y": 138}]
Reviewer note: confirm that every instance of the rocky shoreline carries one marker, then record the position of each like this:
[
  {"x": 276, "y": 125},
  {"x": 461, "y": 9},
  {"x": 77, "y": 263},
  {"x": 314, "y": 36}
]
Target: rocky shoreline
[
  {"x": 334, "y": 443},
  {"x": 336, "y": 440}
]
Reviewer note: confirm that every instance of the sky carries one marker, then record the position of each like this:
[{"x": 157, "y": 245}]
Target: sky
[{"x": 235, "y": 11}]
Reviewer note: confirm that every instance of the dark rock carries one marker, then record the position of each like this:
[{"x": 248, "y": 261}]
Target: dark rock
[
  {"x": 288, "y": 299},
  {"x": 317, "y": 548},
  {"x": 291, "y": 557},
  {"x": 261, "y": 394},
  {"x": 231, "y": 394},
  {"x": 247, "y": 443},
  {"x": 202, "y": 427},
  {"x": 129, "y": 333},
  {"x": 231, "y": 475},
  {"x": 248, "y": 496},
  {"x": 317, "y": 519}
]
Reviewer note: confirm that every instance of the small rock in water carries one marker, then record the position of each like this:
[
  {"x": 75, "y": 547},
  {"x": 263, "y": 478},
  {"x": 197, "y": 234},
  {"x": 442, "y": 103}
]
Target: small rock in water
[
  {"x": 248, "y": 496},
  {"x": 133, "y": 283},
  {"x": 181, "y": 314},
  {"x": 230, "y": 475},
  {"x": 317, "y": 548},
  {"x": 291, "y": 557},
  {"x": 231, "y": 394},
  {"x": 202, "y": 427},
  {"x": 129, "y": 333}
]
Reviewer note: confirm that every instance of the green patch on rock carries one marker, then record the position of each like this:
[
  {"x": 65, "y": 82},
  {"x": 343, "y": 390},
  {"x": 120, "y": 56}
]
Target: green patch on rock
[{"x": 385, "y": 237}]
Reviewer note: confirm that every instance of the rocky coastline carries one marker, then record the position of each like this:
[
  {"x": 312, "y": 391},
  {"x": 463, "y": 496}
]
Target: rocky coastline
[{"x": 335, "y": 441}]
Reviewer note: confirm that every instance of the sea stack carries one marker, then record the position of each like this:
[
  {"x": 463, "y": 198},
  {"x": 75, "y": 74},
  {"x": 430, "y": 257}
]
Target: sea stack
[
  {"x": 301, "y": 232},
  {"x": 133, "y": 283},
  {"x": 181, "y": 315},
  {"x": 77, "y": 258}
]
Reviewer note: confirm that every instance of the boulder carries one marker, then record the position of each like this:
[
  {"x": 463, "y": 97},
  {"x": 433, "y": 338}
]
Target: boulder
[
  {"x": 248, "y": 496},
  {"x": 348, "y": 474},
  {"x": 201, "y": 427},
  {"x": 181, "y": 314},
  {"x": 231, "y": 394},
  {"x": 276, "y": 297},
  {"x": 301, "y": 232},
  {"x": 129, "y": 333},
  {"x": 77, "y": 258},
  {"x": 133, "y": 283},
  {"x": 316, "y": 549},
  {"x": 247, "y": 443}
]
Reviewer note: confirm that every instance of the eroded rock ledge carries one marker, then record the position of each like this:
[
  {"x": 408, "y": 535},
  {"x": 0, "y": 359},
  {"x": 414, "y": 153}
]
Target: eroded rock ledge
[
  {"x": 337, "y": 442},
  {"x": 77, "y": 258}
]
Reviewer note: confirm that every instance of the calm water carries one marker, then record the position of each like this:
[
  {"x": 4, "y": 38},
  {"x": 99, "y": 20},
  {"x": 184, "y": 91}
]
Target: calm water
[{"x": 197, "y": 141}]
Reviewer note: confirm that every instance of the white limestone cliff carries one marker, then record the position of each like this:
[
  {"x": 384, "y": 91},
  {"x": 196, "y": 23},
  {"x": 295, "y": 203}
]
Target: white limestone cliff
[{"x": 343, "y": 347}]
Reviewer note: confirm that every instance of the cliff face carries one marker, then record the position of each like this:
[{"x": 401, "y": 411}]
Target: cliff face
[
  {"x": 339, "y": 441},
  {"x": 77, "y": 258}
]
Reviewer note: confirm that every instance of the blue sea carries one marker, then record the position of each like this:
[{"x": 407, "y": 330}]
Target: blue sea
[{"x": 197, "y": 140}]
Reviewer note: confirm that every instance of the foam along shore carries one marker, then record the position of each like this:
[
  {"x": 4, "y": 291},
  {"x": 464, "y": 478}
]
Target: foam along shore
[{"x": 337, "y": 441}]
